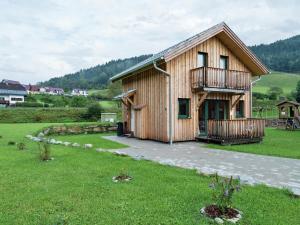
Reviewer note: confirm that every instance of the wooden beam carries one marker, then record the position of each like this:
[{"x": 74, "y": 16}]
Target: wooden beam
[
  {"x": 201, "y": 99},
  {"x": 236, "y": 101},
  {"x": 124, "y": 102},
  {"x": 129, "y": 100}
]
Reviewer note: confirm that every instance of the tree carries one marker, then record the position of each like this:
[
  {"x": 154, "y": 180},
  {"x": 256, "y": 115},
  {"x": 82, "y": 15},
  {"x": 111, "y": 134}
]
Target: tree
[
  {"x": 94, "y": 111},
  {"x": 274, "y": 93},
  {"x": 78, "y": 101},
  {"x": 297, "y": 94}
]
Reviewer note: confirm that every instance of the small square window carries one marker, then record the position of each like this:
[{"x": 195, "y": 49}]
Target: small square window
[{"x": 184, "y": 108}]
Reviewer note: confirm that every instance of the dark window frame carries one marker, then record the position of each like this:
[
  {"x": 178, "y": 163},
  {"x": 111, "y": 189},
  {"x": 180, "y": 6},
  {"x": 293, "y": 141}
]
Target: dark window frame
[
  {"x": 187, "y": 102},
  {"x": 226, "y": 60},
  {"x": 241, "y": 112},
  {"x": 205, "y": 59}
]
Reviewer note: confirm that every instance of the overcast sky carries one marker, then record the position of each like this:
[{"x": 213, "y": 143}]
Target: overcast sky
[{"x": 40, "y": 39}]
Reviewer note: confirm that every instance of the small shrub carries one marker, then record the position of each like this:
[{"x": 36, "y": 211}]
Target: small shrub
[
  {"x": 223, "y": 190},
  {"x": 123, "y": 176},
  {"x": 94, "y": 111},
  {"x": 45, "y": 151},
  {"x": 11, "y": 143},
  {"x": 21, "y": 146},
  {"x": 0, "y": 136}
]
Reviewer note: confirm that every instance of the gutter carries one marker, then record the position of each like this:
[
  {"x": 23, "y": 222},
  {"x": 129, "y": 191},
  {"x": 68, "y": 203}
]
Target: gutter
[{"x": 170, "y": 101}]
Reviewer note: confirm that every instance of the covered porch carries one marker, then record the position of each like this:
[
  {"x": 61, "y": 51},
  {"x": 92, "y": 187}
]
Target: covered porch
[{"x": 236, "y": 131}]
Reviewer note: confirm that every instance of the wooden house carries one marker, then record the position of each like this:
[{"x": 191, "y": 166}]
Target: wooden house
[
  {"x": 198, "y": 88},
  {"x": 288, "y": 109}
]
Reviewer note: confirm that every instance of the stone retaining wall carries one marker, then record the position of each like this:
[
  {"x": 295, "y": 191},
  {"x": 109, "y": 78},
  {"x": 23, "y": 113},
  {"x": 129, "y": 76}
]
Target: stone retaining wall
[{"x": 78, "y": 129}]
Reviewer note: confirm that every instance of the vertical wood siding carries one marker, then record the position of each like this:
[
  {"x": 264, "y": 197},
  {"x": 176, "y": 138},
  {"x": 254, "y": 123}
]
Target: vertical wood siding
[
  {"x": 179, "y": 68},
  {"x": 151, "y": 121}
]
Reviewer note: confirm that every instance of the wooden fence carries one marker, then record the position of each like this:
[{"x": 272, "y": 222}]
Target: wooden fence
[{"x": 236, "y": 129}]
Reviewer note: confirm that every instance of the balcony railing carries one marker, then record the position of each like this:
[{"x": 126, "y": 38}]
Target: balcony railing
[
  {"x": 209, "y": 77},
  {"x": 237, "y": 129}
]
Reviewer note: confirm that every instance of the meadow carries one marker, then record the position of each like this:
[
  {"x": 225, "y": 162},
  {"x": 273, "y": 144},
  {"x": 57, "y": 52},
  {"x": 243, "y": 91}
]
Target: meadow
[
  {"x": 76, "y": 188},
  {"x": 286, "y": 81}
]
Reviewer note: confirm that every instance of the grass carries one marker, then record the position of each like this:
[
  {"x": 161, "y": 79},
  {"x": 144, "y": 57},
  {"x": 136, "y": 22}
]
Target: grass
[
  {"x": 109, "y": 104},
  {"x": 277, "y": 142},
  {"x": 76, "y": 188},
  {"x": 286, "y": 81}
]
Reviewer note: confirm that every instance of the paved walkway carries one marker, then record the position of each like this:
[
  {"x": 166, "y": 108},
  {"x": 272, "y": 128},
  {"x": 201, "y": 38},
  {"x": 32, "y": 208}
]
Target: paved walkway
[{"x": 252, "y": 169}]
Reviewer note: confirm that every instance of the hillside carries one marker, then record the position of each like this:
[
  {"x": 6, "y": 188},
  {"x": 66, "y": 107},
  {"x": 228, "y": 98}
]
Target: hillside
[
  {"x": 95, "y": 77},
  {"x": 283, "y": 55},
  {"x": 286, "y": 81}
]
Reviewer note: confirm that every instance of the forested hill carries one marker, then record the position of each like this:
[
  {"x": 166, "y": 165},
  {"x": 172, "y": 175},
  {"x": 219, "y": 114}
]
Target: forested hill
[
  {"x": 283, "y": 55},
  {"x": 95, "y": 77}
]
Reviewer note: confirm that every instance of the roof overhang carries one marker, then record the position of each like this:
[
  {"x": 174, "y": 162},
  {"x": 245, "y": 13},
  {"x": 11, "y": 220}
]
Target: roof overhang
[
  {"x": 125, "y": 94},
  {"x": 221, "y": 31}
]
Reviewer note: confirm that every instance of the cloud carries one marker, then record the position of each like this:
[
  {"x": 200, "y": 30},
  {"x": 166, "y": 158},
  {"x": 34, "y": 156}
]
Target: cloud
[{"x": 43, "y": 39}]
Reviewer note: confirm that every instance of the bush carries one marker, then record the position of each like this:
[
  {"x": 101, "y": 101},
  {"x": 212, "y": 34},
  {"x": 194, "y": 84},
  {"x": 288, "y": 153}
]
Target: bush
[
  {"x": 21, "y": 146},
  {"x": 45, "y": 151},
  {"x": 29, "y": 104},
  {"x": 94, "y": 111},
  {"x": 223, "y": 189},
  {"x": 79, "y": 101},
  {"x": 259, "y": 95}
]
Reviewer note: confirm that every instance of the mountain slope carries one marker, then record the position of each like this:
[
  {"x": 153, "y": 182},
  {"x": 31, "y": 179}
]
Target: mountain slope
[
  {"x": 286, "y": 81},
  {"x": 95, "y": 77},
  {"x": 283, "y": 55}
]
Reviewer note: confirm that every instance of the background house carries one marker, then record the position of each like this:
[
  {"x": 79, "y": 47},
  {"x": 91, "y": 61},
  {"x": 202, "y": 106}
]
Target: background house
[
  {"x": 11, "y": 92},
  {"x": 79, "y": 92}
]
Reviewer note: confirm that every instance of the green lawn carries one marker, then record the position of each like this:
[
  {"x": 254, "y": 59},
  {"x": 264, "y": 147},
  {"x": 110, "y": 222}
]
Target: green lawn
[
  {"x": 286, "y": 81},
  {"x": 76, "y": 188},
  {"x": 277, "y": 142},
  {"x": 109, "y": 104}
]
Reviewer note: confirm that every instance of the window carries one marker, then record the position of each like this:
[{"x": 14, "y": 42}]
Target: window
[
  {"x": 184, "y": 108},
  {"x": 224, "y": 62},
  {"x": 239, "y": 109},
  {"x": 17, "y": 99},
  {"x": 202, "y": 59}
]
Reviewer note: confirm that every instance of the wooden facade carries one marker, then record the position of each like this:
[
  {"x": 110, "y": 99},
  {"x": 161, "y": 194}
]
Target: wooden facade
[{"x": 207, "y": 88}]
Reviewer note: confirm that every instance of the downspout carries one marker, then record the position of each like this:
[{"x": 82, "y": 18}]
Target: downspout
[
  {"x": 170, "y": 101},
  {"x": 251, "y": 86}
]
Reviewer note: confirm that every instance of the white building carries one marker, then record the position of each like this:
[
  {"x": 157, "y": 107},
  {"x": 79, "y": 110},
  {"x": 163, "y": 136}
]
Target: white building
[
  {"x": 11, "y": 92},
  {"x": 79, "y": 92}
]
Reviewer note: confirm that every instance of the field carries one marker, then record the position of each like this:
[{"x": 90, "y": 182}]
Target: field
[
  {"x": 286, "y": 81},
  {"x": 277, "y": 142},
  {"x": 55, "y": 115},
  {"x": 76, "y": 188}
]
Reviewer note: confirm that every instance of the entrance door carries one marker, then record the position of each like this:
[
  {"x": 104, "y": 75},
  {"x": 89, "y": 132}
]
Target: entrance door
[{"x": 212, "y": 110}]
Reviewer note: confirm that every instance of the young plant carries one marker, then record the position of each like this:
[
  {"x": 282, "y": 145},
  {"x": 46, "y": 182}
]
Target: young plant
[
  {"x": 223, "y": 190},
  {"x": 45, "y": 151},
  {"x": 21, "y": 146}
]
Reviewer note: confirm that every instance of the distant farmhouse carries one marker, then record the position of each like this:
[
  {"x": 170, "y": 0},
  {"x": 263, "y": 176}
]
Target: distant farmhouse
[
  {"x": 79, "y": 92},
  {"x": 11, "y": 92},
  {"x": 51, "y": 91},
  {"x": 32, "y": 89}
]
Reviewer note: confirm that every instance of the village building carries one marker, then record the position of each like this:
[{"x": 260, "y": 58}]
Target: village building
[
  {"x": 11, "y": 93},
  {"x": 200, "y": 88},
  {"x": 79, "y": 92}
]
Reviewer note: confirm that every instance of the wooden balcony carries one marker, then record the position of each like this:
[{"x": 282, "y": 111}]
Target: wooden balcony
[
  {"x": 238, "y": 131},
  {"x": 221, "y": 80}
]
